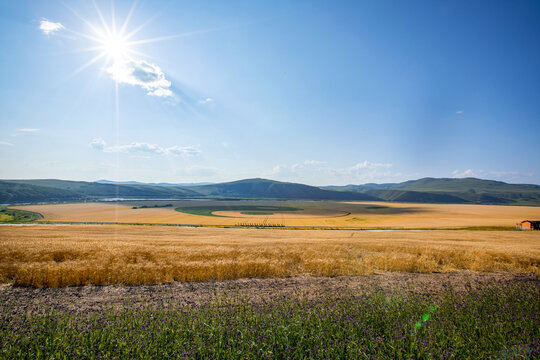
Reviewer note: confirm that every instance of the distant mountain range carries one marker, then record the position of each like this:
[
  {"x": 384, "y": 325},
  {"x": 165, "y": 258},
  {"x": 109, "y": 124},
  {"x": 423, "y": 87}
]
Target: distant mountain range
[
  {"x": 51, "y": 190},
  {"x": 154, "y": 184},
  {"x": 426, "y": 190},
  {"x": 449, "y": 190},
  {"x": 262, "y": 188}
]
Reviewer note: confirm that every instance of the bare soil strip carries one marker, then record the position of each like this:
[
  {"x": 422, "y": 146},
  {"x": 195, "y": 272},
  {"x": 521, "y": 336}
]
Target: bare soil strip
[{"x": 254, "y": 290}]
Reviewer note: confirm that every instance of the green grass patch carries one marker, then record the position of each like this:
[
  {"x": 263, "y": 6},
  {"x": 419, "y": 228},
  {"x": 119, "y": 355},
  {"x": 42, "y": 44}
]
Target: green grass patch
[
  {"x": 208, "y": 210},
  {"x": 495, "y": 321},
  {"x": 12, "y": 215}
]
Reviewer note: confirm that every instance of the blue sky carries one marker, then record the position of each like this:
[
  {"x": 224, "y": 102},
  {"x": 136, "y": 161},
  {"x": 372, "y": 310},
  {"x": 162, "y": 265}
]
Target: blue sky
[{"x": 316, "y": 92}]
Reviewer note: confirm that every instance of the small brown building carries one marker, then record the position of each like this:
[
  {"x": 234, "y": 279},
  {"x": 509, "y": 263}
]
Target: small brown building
[{"x": 530, "y": 224}]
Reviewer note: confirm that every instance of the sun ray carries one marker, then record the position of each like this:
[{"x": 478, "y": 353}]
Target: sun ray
[
  {"x": 88, "y": 23},
  {"x": 114, "y": 43},
  {"x": 140, "y": 53},
  {"x": 86, "y": 36},
  {"x": 103, "y": 22},
  {"x": 113, "y": 18},
  {"x": 128, "y": 18},
  {"x": 83, "y": 50},
  {"x": 90, "y": 62},
  {"x": 176, "y": 36},
  {"x": 140, "y": 27}
]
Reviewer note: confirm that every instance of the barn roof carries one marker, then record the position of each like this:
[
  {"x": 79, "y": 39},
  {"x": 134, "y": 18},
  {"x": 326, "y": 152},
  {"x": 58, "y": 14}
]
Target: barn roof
[{"x": 531, "y": 221}]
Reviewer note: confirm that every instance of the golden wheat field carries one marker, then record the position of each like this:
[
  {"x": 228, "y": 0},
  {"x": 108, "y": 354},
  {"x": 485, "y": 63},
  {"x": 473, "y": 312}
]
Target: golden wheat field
[
  {"x": 321, "y": 213},
  {"x": 61, "y": 255}
]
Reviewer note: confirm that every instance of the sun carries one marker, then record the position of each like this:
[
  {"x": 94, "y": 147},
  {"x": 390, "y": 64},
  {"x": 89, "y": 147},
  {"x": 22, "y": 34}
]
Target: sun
[
  {"x": 111, "y": 43},
  {"x": 115, "y": 46}
]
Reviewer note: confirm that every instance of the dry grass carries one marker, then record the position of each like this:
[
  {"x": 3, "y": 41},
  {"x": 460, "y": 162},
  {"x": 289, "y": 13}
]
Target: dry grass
[
  {"x": 315, "y": 214},
  {"x": 61, "y": 255}
]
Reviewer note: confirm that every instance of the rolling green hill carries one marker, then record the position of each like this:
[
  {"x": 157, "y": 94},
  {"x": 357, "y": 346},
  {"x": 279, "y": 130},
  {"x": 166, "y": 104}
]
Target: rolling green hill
[
  {"x": 263, "y": 188},
  {"x": 94, "y": 189},
  {"x": 427, "y": 190},
  {"x": 464, "y": 185},
  {"x": 26, "y": 193},
  {"x": 446, "y": 190},
  {"x": 51, "y": 190},
  {"x": 415, "y": 196}
]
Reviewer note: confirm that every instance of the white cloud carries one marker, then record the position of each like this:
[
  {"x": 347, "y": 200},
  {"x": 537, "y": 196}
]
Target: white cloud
[
  {"x": 459, "y": 112},
  {"x": 135, "y": 147},
  {"x": 5, "y": 143},
  {"x": 183, "y": 150},
  {"x": 500, "y": 175},
  {"x": 296, "y": 168},
  {"x": 315, "y": 162},
  {"x": 49, "y": 27},
  {"x": 98, "y": 144},
  {"x": 28, "y": 130},
  {"x": 464, "y": 173},
  {"x": 142, "y": 147},
  {"x": 141, "y": 73},
  {"x": 283, "y": 170},
  {"x": 318, "y": 171},
  {"x": 206, "y": 101},
  {"x": 361, "y": 168}
]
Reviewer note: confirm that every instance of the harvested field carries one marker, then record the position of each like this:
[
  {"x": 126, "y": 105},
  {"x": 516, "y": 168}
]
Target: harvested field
[
  {"x": 313, "y": 213},
  {"x": 61, "y": 255}
]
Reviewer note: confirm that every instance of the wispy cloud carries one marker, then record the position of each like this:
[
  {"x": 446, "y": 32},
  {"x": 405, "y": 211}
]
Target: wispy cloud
[
  {"x": 479, "y": 173},
  {"x": 145, "y": 148},
  {"x": 49, "y": 27},
  {"x": 190, "y": 150},
  {"x": 459, "y": 112},
  {"x": 141, "y": 73},
  {"x": 28, "y": 130},
  {"x": 98, "y": 144},
  {"x": 206, "y": 101},
  {"x": 365, "y": 168},
  {"x": 315, "y": 162},
  {"x": 464, "y": 173},
  {"x": 364, "y": 171},
  {"x": 5, "y": 143}
]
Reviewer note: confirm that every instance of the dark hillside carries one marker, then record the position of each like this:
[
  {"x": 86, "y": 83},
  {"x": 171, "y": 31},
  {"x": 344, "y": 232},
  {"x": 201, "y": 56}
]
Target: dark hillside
[
  {"x": 464, "y": 185},
  {"x": 11, "y": 193},
  {"x": 92, "y": 190},
  {"x": 262, "y": 188},
  {"x": 446, "y": 190},
  {"x": 416, "y": 196}
]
